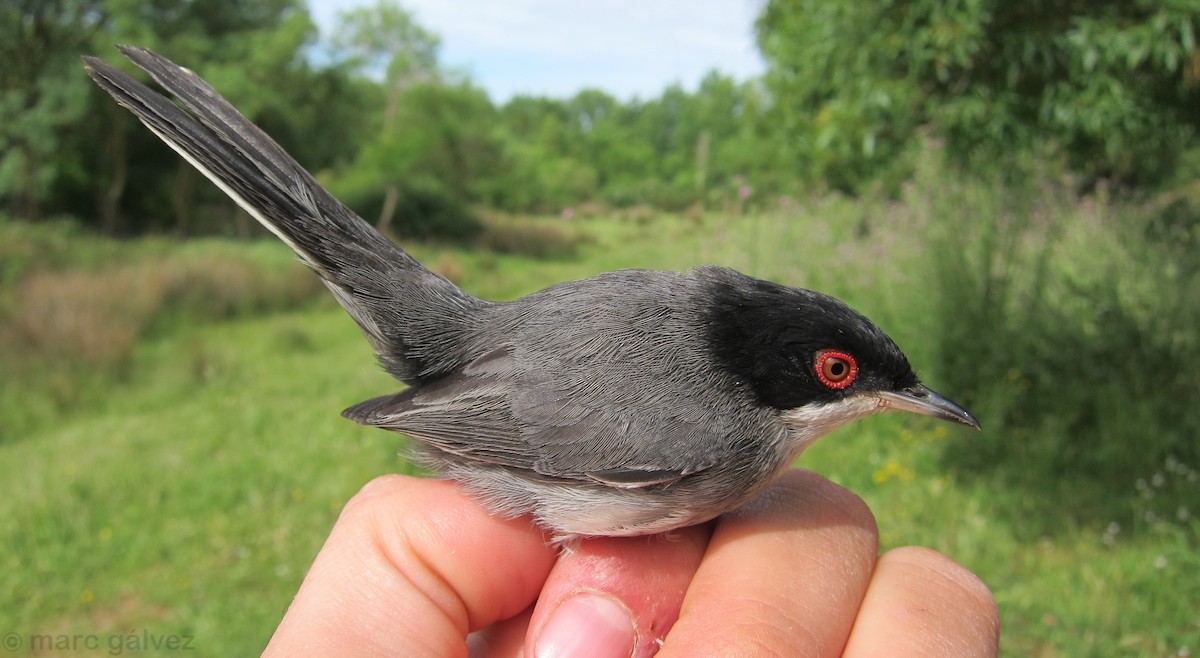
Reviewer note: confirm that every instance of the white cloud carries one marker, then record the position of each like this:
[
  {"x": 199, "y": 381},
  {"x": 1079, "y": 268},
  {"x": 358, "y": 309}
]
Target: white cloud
[{"x": 555, "y": 48}]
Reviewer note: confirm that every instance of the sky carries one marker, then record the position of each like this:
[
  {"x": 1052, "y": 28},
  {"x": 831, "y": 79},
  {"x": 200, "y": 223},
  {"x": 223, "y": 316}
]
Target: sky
[{"x": 628, "y": 48}]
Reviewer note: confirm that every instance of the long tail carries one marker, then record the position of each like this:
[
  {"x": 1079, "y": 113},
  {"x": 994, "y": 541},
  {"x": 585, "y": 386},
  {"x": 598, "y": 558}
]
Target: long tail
[{"x": 407, "y": 313}]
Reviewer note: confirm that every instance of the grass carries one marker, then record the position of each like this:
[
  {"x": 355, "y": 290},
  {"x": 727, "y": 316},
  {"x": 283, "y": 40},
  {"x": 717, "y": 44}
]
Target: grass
[
  {"x": 74, "y": 307},
  {"x": 191, "y": 501},
  {"x": 188, "y": 493}
]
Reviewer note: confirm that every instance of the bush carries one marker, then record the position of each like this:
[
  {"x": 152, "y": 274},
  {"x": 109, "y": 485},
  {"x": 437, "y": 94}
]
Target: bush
[
  {"x": 71, "y": 315},
  {"x": 424, "y": 208},
  {"x": 535, "y": 238},
  {"x": 1072, "y": 330}
]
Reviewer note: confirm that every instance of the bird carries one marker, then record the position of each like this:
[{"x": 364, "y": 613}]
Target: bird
[{"x": 634, "y": 402}]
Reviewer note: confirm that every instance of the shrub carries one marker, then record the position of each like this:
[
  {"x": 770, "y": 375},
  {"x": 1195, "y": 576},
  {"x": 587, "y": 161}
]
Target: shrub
[
  {"x": 536, "y": 238},
  {"x": 70, "y": 318},
  {"x": 1071, "y": 330},
  {"x": 424, "y": 208}
]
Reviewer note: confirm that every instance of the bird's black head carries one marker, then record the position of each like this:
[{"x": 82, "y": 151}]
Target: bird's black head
[{"x": 794, "y": 348}]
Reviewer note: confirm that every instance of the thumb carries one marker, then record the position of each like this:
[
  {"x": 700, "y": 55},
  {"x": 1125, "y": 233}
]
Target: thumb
[{"x": 615, "y": 596}]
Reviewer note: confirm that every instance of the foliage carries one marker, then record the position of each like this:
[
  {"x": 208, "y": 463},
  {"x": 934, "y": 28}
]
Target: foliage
[
  {"x": 531, "y": 238},
  {"x": 1109, "y": 88},
  {"x": 38, "y": 98},
  {"x": 380, "y": 111},
  {"x": 73, "y": 307},
  {"x": 423, "y": 207},
  {"x": 386, "y": 38},
  {"x": 1051, "y": 316},
  {"x": 72, "y": 150},
  {"x": 1114, "y": 85},
  {"x": 421, "y": 172},
  {"x": 671, "y": 152}
]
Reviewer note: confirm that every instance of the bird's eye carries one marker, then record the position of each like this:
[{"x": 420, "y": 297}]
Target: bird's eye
[{"x": 835, "y": 369}]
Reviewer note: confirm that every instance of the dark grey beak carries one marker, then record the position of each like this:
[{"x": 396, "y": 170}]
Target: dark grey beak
[{"x": 920, "y": 399}]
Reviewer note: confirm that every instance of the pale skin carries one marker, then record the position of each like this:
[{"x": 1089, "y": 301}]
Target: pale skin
[{"x": 415, "y": 567}]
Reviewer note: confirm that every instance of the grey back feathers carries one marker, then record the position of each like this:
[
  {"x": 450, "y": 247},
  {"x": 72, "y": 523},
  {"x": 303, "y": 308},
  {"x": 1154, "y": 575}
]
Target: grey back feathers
[{"x": 551, "y": 390}]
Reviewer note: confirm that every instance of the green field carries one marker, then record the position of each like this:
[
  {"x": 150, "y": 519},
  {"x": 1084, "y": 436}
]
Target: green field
[{"x": 183, "y": 486}]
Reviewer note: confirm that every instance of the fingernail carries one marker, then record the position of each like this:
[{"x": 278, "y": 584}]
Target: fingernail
[{"x": 587, "y": 625}]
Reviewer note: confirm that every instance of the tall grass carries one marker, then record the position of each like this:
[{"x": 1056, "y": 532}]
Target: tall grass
[
  {"x": 75, "y": 307},
  {"x": 1070, "y": 326}
]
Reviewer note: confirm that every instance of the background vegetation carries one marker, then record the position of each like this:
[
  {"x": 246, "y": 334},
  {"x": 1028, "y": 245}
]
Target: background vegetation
[{"x": 1010, "y": 188}]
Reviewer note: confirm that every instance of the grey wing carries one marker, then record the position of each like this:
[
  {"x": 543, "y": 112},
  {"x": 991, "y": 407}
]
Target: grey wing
[{"x": 494, "y": 413}]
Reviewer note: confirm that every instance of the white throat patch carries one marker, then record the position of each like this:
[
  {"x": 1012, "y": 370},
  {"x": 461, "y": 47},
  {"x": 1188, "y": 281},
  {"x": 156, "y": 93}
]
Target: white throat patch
[{"x": 812, "y": 421}]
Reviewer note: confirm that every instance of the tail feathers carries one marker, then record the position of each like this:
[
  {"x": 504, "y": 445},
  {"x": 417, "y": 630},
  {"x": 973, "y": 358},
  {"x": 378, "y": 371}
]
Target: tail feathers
[
  {"x": 247, "y": 165},
  {"x": 379, "y": 285}
]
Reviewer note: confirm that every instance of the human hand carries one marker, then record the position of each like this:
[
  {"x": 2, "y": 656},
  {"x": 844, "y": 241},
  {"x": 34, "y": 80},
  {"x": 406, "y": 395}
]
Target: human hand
[{"x": 415, "y": 567}]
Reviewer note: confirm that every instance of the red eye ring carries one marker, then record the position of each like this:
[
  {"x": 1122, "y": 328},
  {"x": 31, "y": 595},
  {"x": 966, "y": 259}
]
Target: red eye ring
[{"x": 835, "y": 369}]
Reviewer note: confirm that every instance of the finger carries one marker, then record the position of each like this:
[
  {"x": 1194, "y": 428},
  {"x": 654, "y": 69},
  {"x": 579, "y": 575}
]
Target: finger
[
  {"x": 416, "y": 564},
  {"x": 615, "y": 596},
  {"x": 784, "y": 575},
  {"x": 920, "y": 603},
  {"x": 503, "y": 639}
]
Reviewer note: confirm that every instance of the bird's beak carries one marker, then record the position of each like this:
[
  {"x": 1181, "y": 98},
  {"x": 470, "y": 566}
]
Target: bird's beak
[{"x": 920, "y": 399}]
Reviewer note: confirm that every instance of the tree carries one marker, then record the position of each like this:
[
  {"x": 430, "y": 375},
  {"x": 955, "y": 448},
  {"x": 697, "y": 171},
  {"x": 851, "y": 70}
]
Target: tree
[
  {"x": 1113, "y": 83},
  {"x": 39, "y": 40},
  {"x": 246, "y": 50},
  {"x": 385, "y": 41},
  {"x": 542, "y": 151},
  {"x": 66, "y": 148}
]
